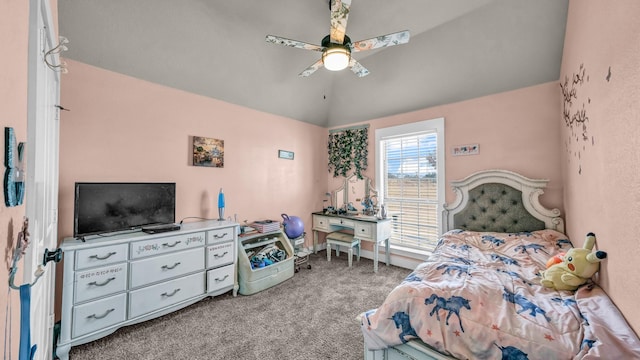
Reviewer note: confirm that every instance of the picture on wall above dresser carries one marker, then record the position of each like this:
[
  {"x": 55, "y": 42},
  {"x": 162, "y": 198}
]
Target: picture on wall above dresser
[{"x": 208, "y": 152}]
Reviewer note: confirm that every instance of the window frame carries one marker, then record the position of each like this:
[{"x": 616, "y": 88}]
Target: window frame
[{"x": 381, "y": 134}]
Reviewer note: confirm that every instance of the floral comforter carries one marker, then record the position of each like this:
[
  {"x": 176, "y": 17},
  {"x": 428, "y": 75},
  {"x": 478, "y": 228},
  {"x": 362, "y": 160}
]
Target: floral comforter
[{"x": 479, "y": 297}]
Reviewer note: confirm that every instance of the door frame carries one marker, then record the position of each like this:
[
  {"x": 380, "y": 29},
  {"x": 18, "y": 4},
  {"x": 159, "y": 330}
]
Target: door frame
[{"x": 41, "y": 183}]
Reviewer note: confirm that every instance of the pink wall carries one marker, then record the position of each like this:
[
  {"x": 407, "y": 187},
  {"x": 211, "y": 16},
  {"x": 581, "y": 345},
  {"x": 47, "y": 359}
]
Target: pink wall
[
  {"x": 123, "y": 129},
  {"x": 516, "y": 131},
  {"x": 601, "y": 161},
  {"x": 14, "y": 32}
]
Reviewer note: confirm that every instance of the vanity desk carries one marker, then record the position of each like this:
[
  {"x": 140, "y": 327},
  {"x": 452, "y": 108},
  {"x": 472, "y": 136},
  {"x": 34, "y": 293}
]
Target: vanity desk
[
  {"x": 365, "y": 228},
  {"x": 354, "y": 206}
]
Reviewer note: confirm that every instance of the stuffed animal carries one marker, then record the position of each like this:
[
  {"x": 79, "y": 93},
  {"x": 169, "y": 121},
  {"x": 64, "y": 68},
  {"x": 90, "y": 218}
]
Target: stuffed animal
[{"x": 577, "y": 266}]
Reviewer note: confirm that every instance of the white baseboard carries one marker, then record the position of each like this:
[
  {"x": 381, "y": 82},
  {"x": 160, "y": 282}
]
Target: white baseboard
[
  {"x": 396, "y": 260},
  {"x": 399, "y": 261}
]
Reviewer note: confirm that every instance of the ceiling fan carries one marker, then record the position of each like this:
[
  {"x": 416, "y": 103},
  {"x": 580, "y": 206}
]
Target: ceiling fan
[{"x": 336, "y": 48}]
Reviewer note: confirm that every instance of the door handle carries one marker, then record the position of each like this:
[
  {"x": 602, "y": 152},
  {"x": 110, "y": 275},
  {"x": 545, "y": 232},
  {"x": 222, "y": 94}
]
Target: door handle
[{"x": 55, "y": 255}]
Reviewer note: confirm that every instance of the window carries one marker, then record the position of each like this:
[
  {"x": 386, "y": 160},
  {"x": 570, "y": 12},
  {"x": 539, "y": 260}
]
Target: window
[{"x": 410, "y": 178}]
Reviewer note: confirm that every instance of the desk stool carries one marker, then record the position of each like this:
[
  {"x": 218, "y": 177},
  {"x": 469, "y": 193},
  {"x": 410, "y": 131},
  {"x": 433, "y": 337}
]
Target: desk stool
[{"x": 342, "y": 239}]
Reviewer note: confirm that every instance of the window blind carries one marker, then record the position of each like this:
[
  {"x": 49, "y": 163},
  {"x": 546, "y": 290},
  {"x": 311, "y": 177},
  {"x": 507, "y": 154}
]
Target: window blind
[{"x": 410, "y": 189}]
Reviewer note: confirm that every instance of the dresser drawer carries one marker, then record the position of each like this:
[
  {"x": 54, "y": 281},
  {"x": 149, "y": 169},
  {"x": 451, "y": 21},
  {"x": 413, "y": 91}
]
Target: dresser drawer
[
  {"x": 320, "y": 223},
  {"x": 219, "y": 235},
  {"x": 99, "y": 314},
  {"x": 99, "y": 282},
  {"x": 221, "y": 254},
  {"x": 220, "y": 278},
  {"x": 101, "y": 256},
  {"x": 342, "y": 222},
  {"x": 166, "y": 244},
  {"x": 364, "y": 230},
  {"x": 158, "y": 268},
  {"x": 158, "y": 296}
]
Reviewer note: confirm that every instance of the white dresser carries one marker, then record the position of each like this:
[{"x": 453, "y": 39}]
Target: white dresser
[{"x": 115, "y": 281}]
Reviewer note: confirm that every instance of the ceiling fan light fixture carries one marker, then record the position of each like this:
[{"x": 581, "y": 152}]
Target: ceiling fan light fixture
[{"x": 336, "y": 58}]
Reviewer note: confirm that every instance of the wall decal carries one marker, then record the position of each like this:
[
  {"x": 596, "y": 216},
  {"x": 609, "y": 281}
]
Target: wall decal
[
  {"x": 208, "y": 152},
  {"x": 14, "y": 174},
  {"x": 575, "y": 117},
  {"x": 472, "y": 149}
]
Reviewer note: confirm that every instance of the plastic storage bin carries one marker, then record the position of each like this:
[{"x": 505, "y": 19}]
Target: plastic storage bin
[{"x": 253, "y": 280}]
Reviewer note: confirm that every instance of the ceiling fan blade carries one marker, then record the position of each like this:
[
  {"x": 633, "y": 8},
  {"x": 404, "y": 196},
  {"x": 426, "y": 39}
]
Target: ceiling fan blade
[
  {"x": 358, "y": 69},
  {"x": 292, "y": 43},
  {"x": 339, "y": 17},
  {"x": 311, "y": 69},
  {"x": 397, "y": 38}
]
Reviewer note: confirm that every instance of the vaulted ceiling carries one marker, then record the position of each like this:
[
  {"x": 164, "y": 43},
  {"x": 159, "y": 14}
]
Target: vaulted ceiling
[{"x": 459, "y": 49}]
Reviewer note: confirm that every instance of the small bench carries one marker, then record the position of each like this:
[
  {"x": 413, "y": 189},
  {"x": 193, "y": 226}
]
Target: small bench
[{"x": 342, "y": 239}]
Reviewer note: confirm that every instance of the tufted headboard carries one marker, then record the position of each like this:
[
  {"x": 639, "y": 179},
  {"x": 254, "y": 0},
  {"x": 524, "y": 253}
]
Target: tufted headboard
[{"x": 499, "y": 201}]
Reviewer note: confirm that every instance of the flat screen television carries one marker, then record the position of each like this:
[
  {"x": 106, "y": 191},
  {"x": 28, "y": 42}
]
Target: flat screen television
[{"x": 109, "y": 207}]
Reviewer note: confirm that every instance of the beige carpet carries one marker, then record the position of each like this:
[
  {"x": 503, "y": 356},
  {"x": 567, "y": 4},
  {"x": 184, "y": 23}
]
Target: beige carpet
[{"x": 310, "y": 316}]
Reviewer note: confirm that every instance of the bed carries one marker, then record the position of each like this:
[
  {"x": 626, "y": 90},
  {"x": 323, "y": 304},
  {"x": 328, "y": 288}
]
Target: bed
[{"x": 478, "y": 296}]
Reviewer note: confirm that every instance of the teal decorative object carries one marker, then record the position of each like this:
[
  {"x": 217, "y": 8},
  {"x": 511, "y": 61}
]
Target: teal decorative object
[
  {"x": 14, "y": 174},
  {"x": 221, "y": 205}
]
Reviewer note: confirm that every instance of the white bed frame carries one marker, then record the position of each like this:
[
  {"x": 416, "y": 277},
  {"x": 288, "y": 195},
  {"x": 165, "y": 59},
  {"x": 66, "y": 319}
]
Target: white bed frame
[{"x": 531, "y": 190}]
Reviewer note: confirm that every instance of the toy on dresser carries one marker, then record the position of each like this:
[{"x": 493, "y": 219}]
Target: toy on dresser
[{"x": 569, "y": 271}]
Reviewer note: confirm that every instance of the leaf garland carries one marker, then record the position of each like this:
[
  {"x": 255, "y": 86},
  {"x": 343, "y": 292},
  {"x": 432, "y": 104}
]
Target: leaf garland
[{"x": 348, "y": 149}]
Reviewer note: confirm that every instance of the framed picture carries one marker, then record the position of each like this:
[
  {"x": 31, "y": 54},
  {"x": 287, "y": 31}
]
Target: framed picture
[
  {"x": 283, "y": 154},
  {"x": 208, "y": 152}
]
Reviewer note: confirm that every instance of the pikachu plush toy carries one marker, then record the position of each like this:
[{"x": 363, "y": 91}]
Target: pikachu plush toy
[{"x": 577, "y": 266}]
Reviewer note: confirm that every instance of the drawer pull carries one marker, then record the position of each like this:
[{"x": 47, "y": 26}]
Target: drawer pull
[
  {"x": 102, "y": 283},
  {"x": 220, "y": 256},
  {"x": 223, "y": 279},
  {"x": 98, "y": 317},
  {"x": 219, "y": 236},
  {"x": 102, "y": 257},
  {"x": 167, "y": 267},
  {"x": 172, "y": 245},
  {"x": 170, "y": 295}
]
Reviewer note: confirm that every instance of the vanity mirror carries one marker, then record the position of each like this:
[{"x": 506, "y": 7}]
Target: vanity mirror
[
  {"x": 340, "y": 197},
  {"x": 356, "y": 196}
]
